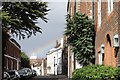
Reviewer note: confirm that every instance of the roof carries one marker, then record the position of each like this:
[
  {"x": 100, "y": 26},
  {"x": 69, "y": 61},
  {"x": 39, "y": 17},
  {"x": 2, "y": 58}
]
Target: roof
[
  {"x": 14, "y": 41},
  {"x": 37, "y": 62}
]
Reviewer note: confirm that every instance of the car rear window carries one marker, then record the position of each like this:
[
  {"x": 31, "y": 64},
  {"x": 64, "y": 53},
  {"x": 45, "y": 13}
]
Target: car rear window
[{"x": 11, "y": 73}]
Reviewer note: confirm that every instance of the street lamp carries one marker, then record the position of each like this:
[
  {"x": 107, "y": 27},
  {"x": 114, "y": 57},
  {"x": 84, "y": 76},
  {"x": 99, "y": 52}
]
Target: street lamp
[{"x": 54, "y": 65}]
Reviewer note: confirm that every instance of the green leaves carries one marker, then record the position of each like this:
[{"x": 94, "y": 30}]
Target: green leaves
[
  {"x": 25, "y": 61},
  {"x": 21, "y": 17},
  {"x": 80, "y": 33},
  {"x": 96, "y": 72},
  {"x": 4, "y": 16}
]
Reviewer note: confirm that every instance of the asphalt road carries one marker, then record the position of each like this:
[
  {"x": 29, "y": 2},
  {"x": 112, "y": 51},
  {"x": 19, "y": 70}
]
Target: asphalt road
[{"x": 58, "y": 77}]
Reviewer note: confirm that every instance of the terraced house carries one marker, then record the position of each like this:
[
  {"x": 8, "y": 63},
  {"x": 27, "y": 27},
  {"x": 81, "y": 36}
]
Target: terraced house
[
  {"x": 107, "y": 24},
  {"x": 106, "y": 14},
  {"x": 12, "y": 58},
  {"x": 73, "y": 7}
]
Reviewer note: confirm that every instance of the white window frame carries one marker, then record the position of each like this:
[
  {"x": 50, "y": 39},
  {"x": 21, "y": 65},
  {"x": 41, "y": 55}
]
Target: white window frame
[
  {"x": 11, "y": 64},
  {"x": 101, "y": 55},
  {"x": 99, "y": 13},
  {"x": 71, "y": 10},
  {"x": 7, "y": 62},
  {"x": 110, "y": 6},
  {"x": 100, "y": 58}
]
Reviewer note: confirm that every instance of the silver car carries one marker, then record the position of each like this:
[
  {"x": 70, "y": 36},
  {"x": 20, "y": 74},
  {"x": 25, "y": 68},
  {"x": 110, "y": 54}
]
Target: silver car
[
  {"x": 23, "y": 74},
  {"x": 29, "y": 71}
]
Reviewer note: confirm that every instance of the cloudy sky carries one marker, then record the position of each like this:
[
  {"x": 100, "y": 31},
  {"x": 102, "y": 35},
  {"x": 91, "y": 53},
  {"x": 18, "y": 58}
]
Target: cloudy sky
[{"x": 40, "y": 44}]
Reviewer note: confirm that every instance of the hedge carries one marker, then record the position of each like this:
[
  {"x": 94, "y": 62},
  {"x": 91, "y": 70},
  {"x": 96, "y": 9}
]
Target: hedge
[{"x": 96, "y": 72}]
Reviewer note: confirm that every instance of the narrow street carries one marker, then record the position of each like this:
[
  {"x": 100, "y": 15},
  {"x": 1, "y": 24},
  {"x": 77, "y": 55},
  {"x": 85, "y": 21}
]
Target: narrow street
[
  {"x": 58, "y": 77},
  {"x": 60, "y": 40}
]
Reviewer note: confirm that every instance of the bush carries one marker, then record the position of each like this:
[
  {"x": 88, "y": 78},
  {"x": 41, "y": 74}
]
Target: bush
[
  {"x": 118, "y": 73},
  {"x": 96, "y": 72}
]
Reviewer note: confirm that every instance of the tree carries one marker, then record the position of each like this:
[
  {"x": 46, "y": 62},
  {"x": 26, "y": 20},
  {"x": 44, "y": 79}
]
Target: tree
[
  {"x": 25, "y": 61},
  {"x": 80, "y": 33},
  {"x": 21, "y": 17}
]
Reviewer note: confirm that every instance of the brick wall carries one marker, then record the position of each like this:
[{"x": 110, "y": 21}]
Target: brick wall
[
  {"x": 12, "y": 50},
  {"x": 71, "y": 10},
  {"x": 119, "y": 31},
  {"x": 1, "y": 52},
  {"x": 12, "y": 54},
  {"x": 109, "y": 26},
  {"x": 82, "y": 7},
  {"x": 85, "y": 8}
]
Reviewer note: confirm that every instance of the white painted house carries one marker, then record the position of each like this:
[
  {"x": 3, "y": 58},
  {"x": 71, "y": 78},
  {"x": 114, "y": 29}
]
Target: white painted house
[
  {"x": 54, "y": 59},
  {"x": 39, "y": 65},
  {"x": 61, "y": 60}
]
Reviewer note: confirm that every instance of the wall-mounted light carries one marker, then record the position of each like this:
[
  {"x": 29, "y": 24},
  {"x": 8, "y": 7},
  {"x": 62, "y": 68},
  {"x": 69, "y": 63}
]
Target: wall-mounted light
[
  {"x": 116, "y": 40},
  {"x": 102, "y": 48},
  {"x": 116, "y": 43}
]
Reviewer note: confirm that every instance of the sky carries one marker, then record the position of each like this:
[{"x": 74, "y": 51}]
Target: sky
[{"x": 40, "y": 44}]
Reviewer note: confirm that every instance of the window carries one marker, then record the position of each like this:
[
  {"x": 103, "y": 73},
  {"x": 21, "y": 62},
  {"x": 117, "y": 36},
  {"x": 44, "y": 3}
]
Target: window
[
  {"x": 11, "y": 64},
  {"x": 110, "y": 6},
  {"x": 116, "y": 40},
  {"x": 7, "y": 62},
  {"x": 101, "y": 58},
  {"x": 71, "y": 10},
  {"x": 101, "y": 55},
  {"x": 99, "y": 13}
]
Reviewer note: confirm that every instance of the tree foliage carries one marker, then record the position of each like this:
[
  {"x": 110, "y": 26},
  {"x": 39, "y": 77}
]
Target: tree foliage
[
  {"x": 96, "y": 72},
  {"x": 25, "y": 61},
  {"x": 80, "y": 33},
  {"x": 21, "y": 17}
]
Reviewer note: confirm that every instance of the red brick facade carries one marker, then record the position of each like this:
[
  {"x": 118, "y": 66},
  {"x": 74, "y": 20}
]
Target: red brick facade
[
  {"x": 73, "y": 7},
  {"x": 109, "y": 27},
  {"x": 105, "y": 33},
  {"x": 12, "y": 59},
  {"x": 85, "y": 8}
]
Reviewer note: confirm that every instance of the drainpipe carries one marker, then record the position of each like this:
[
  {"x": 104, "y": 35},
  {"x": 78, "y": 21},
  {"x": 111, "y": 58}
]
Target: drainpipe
[
  {"x": 92, "y": 9},
  {"x": 1, "y": 54},
  {"x": 74, "y": 15},
  {"x": 69, "y": 62},
  {"x": 75, "y": 7}
]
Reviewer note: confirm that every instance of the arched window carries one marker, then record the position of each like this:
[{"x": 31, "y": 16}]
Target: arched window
[{"x": 108, "y": 39}]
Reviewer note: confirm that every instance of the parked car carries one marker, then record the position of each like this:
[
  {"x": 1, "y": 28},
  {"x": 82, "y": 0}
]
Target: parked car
[
  {"x": 23, "y": 74},
  {"x": 29, "y": 71},
  {"x": 6, "y": 76},
  {"x": 13, "y": 74},
  {"x": 34, "y": 73}
]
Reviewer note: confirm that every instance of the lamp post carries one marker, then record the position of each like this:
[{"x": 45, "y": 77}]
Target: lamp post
[{"x": 54, "y": 65}]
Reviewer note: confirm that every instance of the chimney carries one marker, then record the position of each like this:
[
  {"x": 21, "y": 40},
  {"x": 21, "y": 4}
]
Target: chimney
[{"x": 56, "y": 42}]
